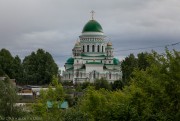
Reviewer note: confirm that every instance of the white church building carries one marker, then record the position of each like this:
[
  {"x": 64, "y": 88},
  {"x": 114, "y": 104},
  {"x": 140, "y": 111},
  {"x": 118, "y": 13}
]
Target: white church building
[{"x": 92, "y": 57}]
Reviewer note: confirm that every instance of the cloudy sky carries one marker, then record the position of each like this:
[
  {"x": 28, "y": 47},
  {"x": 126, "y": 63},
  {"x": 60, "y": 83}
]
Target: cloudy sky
[{"x": 55, "y": 25}]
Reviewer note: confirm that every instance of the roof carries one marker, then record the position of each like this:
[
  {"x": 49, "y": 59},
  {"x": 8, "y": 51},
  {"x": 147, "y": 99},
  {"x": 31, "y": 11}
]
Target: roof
[
  {"x": 94, "y": 63},
  {"x": 115, "y": 61},
  {"x": 70, "y": 61},
  {"x": 63, "y": 105},
  {"x": 92, "y": 26},
  {"x": 92, "y": 55}
]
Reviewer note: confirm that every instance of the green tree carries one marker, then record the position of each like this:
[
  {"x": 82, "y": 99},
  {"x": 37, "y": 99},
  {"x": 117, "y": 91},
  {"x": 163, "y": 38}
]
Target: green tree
[
  {"x": 11, "y": 66},
  {"x": 18, "y": 70},
  {"x": 6, "y": 63},
  {"x": 39, "y": 67},
  {"x": 8, "y": 98},
  {"x": 155, "y": 91},
  {"x": 102, "y": 83},
  {"x": 143, "y": 60},
  {"x": 128, "y": 65},
  {"x": 118, "y": 84},
  {"x": 54, "y": 94}
]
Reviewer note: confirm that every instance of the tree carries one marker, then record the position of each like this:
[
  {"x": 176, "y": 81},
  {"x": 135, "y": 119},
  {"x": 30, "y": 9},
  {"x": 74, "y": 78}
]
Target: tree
[
  {"x": 18, "y": 70},
  {"x": 54, "y": 94},
  {"x": 153, "y": 94},
  {"x": 39, "y": 67},
  {"x": 11, "y": 66},
  {"x": 143, "y": 60},
  {"x": 6, "y": 63},
  {"x": 155, "y": 91},
  {"x": 128, "y": 65},
  {"x": 8, "y": 98},
  {"x": 102, "y": 83},
  {"x": 118, "y": 84}
]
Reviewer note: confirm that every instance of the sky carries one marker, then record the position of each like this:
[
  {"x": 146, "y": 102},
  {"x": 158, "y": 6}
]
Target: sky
[{"x": 133, "y": 26}]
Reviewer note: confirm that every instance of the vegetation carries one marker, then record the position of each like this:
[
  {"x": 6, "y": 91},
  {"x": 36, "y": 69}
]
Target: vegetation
[
  {"x": 130, "y": 63},
  {"x": 8, "y": 98},
  {"x": 37, "y": 68},
  {"x": 9, "y": 65},
  {"x": 149, "y": 91}
]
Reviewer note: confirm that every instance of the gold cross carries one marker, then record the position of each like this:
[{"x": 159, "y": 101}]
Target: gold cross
[{"x": 92, "y": 12}]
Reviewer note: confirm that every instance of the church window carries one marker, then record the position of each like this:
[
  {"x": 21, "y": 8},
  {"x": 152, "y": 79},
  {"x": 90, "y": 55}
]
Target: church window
[
  {"x": 87, "y": 48},
  {"x": 94, "y": 75},
  {"x": 77, "y": 74},
  {"x": 102, "y": 48},
  {"x": 116, "y": 76},
  {"x": 98, "y": 48},
  {"x": 83, "y": 48},
  {"x": 93, "y": 48}
]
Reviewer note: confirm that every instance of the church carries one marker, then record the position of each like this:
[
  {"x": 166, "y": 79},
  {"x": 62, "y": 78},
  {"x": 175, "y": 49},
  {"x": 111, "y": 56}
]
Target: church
[{"x": 92, "y": 57}]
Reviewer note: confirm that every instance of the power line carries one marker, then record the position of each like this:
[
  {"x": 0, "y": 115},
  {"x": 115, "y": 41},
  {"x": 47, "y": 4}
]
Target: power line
[
  {"x": 149, "y": 47},
  {"x": 173, "y": 44}
]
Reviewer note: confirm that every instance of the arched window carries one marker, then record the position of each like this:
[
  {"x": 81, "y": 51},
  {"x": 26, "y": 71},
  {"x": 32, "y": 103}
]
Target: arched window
[
  {"x": 94, "y": 75},
  {"x": 87, "y": 48},
  {"x": 102, "y": 48},
  {"x": 98, "y": 48},
  {"x": 93, "y": 48},
  {"x": 83, "y": 48}
]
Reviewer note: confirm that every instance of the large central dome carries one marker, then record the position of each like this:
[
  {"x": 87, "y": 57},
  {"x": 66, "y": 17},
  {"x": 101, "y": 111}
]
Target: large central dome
[{"x": 92, "y": 26}]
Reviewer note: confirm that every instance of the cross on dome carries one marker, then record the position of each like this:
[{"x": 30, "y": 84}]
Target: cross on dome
[{"x": 92, "y": 12}]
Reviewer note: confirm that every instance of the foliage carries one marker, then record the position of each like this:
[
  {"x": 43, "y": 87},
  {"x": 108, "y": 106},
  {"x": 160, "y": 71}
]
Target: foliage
[
  {"x": 153, "y": 94},
  {"x": 118, "y": 84},
  {"x": 8, "y": 98},
  {"x": 155, "y": 91},
  {"x": 6, "y": 62},
  {"x": 39, "y": 67},
  {"x": 74, "y": 114},
  {"x": 102, "y": 83},
  {"x": 10, "y": 65},
  {"x": 128, "y": 65},
  {"x": 55, "y": 94}
]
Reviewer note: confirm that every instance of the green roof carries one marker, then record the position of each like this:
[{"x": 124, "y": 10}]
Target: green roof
[
  {"x": 70, "y": 61},
  {"x": 93, "y": 55},
  {"x": 94, "y": 63},
  {"x": 63, "y": 105},
  {"x": 115, "y": 61},
  {"x": 70, "y": 68},
  {"x": 92, "y": 26}
]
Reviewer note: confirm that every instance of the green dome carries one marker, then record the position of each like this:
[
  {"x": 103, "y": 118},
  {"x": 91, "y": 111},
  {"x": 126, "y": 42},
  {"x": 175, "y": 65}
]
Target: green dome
[
  {"x": 115, "y": 61},
  {"x": 92, "y": 26},
  {"x": 70, "y": 61}
]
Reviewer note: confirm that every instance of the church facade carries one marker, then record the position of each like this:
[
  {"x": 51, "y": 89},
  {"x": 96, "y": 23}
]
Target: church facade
[{"x": 92, "y": 57}]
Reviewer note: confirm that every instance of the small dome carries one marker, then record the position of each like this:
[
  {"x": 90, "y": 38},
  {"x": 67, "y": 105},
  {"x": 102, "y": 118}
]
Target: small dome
[
  {"x": 92, "y": 26},
  {"x": 70, "y": 61},
  {"x": 109, "y": 44},
  {"x": 77, "y": 44},
  {"x": 115, "y": 61}
]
